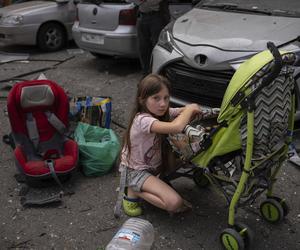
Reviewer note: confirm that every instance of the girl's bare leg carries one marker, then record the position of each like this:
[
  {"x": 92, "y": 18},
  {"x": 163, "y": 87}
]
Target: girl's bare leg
[{"x": 159, "y": 194}]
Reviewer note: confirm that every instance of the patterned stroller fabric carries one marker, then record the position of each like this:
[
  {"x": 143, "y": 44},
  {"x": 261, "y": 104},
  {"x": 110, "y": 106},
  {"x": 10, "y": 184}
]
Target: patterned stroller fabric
[
  {"x": 273, "y": 106},
  {"x": 189, "y": 143}
]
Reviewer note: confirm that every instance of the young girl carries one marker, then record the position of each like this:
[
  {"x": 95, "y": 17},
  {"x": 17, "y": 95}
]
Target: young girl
[{"x": 143, "y": 155}]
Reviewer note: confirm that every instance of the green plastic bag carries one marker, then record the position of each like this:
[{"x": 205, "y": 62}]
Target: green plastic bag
[{"x": 98, "y": 148}]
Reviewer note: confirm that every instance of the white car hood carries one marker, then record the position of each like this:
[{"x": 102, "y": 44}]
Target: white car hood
[
  {"x": 25, "y": 8},
  {"x": 234, "y": 31}
]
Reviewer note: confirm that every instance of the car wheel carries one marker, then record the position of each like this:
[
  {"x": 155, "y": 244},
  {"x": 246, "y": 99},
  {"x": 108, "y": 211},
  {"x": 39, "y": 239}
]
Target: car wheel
[{"x": 51, "y": 37}]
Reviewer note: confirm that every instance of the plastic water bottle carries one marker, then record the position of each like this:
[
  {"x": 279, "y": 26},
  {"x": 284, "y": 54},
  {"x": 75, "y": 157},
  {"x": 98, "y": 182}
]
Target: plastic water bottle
[{"x": 135, "y": 234}]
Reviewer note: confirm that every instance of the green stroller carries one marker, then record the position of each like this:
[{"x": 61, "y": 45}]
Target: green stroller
[{"x": 242, "y": 155}]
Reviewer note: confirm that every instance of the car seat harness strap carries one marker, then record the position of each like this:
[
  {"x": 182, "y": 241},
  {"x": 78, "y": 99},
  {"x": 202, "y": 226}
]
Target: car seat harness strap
[
  {"x": 55, "y": 122},
  {"x": 32, "y": 130},
  {"x": 50, "y": 164}
]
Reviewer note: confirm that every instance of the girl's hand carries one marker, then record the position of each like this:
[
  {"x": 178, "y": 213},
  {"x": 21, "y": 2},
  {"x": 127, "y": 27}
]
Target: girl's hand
[
  {"x": 195, "y": 108},
  {"x": 179, "y": 123}
]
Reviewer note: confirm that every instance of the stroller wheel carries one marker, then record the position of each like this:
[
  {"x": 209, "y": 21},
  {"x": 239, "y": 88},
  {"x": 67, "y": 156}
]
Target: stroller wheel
[
  {"x": 271, "y": 210},
  {"x": 285, "y": 206},
  {"x": 232, "y": 240},
  {"x": 200, "y": 179},
  {"x": 246, "y": 232}
]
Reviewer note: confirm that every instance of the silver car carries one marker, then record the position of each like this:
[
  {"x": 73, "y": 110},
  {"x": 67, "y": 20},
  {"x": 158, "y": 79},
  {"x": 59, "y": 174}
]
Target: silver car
[
  {"x": 47, "y": 24},
  {"x": 201, "y": 50},
  {"x": 108, "y": 26}
]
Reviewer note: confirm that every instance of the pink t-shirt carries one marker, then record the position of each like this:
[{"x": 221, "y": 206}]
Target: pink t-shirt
[{"x": 145, "y": 146}]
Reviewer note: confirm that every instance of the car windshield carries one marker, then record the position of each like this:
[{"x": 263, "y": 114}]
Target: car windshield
[{"x": 290, "y": 8}]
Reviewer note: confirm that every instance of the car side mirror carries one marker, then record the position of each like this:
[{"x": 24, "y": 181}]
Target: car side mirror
[{"x": 76, "y": 2}]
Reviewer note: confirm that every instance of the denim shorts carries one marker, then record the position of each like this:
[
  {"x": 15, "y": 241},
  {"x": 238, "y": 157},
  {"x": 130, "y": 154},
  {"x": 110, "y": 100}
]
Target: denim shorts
[{"x": 136, "y": 178}]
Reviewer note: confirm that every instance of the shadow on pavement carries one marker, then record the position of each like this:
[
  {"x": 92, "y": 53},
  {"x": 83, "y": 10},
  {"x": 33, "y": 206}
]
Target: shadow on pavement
[
  {"x": 116, "y": 65},
  {"x": 32, "y": 50}
]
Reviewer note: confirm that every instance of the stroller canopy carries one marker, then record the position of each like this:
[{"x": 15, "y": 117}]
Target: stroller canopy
[{"x": 240, "y": 80}]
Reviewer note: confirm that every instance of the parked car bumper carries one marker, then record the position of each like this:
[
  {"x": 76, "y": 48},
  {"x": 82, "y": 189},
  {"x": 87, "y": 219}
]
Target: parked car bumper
[
  {"x": 23, "y": 34},
  {"x": 120, "y": 42},
  {"x": 190, "y": 84},
  {"x": 162, "y": 57}
]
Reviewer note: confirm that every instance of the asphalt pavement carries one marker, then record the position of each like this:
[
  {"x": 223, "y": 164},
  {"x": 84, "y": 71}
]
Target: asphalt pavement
[{"x": 85, "y": 219}]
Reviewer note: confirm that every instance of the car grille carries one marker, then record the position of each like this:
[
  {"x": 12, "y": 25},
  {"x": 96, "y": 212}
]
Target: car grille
[{"x": 194, "y": 85}]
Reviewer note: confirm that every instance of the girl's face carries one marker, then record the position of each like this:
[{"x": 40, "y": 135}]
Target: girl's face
[{"x": 158, "y": 104}]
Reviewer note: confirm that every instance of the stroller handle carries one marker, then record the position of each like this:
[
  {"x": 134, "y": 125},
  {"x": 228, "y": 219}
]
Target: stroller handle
[
  {"x": 277, "y": 64},
  {"x": 269, "y": 78}
]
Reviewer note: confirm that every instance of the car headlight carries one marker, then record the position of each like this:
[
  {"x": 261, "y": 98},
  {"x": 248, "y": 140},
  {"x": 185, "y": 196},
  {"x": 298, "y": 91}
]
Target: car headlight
[
  {"x": 166, "y": 39},
  {"x": 16, "y": 19}
]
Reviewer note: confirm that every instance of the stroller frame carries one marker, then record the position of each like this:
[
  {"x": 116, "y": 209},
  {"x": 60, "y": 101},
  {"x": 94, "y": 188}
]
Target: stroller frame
[{"x": 239, "y": 235}]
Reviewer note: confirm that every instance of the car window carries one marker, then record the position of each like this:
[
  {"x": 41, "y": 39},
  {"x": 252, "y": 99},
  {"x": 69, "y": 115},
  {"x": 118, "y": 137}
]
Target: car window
[{"x": 289, "y": 8}]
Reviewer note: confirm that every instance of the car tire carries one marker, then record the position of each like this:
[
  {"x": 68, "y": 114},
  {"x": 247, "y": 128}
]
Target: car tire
[{"x": 51, "y": 37}]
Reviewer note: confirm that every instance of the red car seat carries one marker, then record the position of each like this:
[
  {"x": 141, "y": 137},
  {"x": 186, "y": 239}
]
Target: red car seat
[{"x": 38, "y": 114}]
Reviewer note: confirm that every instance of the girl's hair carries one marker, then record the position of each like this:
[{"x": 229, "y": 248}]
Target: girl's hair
[{"x": 148, "y": 86}]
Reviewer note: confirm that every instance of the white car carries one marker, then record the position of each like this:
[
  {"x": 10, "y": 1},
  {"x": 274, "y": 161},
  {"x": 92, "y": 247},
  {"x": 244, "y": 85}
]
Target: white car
[
  {"x": 108, "y": 26},
  {"x": 47, "y": 24},
  {"x": 201, "y": 50}
]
